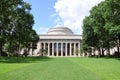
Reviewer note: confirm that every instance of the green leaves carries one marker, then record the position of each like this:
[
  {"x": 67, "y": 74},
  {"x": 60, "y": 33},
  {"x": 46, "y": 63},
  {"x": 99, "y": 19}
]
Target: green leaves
[
  {"x": 102, "y": 27},
  {"x": 15, "y": 24}
]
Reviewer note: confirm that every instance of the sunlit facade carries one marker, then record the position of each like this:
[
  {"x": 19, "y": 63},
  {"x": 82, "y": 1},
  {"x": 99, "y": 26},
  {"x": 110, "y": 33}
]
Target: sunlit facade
[{"x": 59, "y": 41}]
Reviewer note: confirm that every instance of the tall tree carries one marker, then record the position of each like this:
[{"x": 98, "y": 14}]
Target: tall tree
[
  {"x": 90, "y": 39},
  {"x": 104, "y": 20},
  {"x": 112, "y": 17},
  {"x": 6, "y": 9},
  {"x": 16, "y": 23}
]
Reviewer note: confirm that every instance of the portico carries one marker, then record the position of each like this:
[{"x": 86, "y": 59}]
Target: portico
[
  {"x": 61, "y": 48},
  {"x": 60, "y": 41}
]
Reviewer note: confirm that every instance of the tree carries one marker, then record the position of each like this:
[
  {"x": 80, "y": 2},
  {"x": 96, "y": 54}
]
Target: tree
[
  {"x": 99, "y": 28},
  {"x": 111, "y": 14},
  {"x": 6, "y": 10},
  {"x": 115, "y": 33},
  {"x": 103, "y": 26},
  {"x": 43, "y": 52},
  {"x": 16, "y": 23},
  {"x": 90, "y": 39}
]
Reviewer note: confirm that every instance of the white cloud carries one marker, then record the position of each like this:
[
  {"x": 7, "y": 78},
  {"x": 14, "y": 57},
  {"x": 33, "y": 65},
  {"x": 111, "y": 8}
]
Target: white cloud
[{"x": 72, "y": 12}]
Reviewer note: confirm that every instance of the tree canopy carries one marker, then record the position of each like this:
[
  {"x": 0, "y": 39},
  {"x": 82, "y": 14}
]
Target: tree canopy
[
  {"x": 16, "y": 23},
  {"x": 101, "y": 29}
]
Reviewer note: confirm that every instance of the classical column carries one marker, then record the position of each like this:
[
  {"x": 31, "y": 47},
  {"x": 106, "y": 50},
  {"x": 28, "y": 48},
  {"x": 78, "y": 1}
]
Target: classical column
[
  {"x": 31, "y": 51},
  {"x": 61, "y": 49},
  {"x": 39, "y": 47},
  {"x": 70, "y": 49},
  {"x": 48, "y": 49},
  {"x": 57, "y": 49},
  {"x": 75, "y": 49},
  {"x": 52, "y": 49},
  {"x": 79, "y": 49},
  {"x": 44, "y": 45},
  {"x": 66, "y": 49}
]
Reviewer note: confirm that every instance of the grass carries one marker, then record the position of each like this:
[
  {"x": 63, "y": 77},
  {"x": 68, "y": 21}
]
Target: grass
[{"x": 43, "y": 68}]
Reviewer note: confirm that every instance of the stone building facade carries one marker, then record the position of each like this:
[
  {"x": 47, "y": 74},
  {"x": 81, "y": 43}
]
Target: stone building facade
[{"x": 59, "y": 41}]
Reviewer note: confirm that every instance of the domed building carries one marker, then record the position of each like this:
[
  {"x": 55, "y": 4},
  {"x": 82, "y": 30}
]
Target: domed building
[
  {"x": 60, "y": 31},
  {"x": 59, "y": 41}
]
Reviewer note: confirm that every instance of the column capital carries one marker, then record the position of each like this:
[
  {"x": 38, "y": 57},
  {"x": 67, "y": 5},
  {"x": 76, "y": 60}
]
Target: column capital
[
  {"x": 70, "y": 42},
  {"x": 61, "y": 42},
  {"x": 56, "y": 42},
  {"x": 52, "y": 42},
  {"x": 48, "y": 42}
]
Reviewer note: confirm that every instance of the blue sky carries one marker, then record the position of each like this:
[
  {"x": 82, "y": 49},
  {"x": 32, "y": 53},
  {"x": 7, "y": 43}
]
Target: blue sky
[
  {"x": 42, "y": 11},
  {"x": 52, "y": 13}
]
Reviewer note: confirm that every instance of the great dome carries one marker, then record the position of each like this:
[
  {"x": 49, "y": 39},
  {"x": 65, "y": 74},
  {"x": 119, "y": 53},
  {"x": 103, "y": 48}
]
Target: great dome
[{"x": 60, "y": 31}]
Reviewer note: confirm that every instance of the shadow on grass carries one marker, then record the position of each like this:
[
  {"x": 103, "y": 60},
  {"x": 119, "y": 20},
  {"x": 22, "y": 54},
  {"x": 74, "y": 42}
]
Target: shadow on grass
[
  {"x": 106, "y": 57},
  {"x": 23, "y": 59},
  {"x": 117, "y": 58}
]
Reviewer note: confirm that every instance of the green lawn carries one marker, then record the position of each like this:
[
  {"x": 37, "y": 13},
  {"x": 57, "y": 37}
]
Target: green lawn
[{"x": 59, "y": 68}]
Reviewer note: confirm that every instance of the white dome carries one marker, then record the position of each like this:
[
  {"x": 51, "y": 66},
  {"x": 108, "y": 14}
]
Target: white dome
[{"x": 60, "y": 31}]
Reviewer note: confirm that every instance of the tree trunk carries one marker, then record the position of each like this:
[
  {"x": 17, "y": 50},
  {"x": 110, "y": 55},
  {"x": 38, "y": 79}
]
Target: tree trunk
[
  {"x": 1, "y": 45},
  {"x": 118, "y": 49},
  {"x": 99, "y": 52},
  {"x": 118, "y": 45},
  {"x": 0, "y": 49},
  {"x": 0, "y": 42},
  {"x": 102, "y": 51},
  {"x": 108, "y": 50}
]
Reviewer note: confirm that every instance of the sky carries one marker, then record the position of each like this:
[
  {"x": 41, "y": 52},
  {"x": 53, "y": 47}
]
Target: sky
[{"x": 60, "y": 13}]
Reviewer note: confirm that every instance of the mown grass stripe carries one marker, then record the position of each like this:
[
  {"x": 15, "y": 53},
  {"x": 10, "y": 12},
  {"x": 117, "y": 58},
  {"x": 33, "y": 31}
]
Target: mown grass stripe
[
  {"x": 57, "y": 69},
  {"x": 63, "y": 69}
]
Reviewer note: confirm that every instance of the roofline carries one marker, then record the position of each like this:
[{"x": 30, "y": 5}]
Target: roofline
[{"x": 59, "y": 35}]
